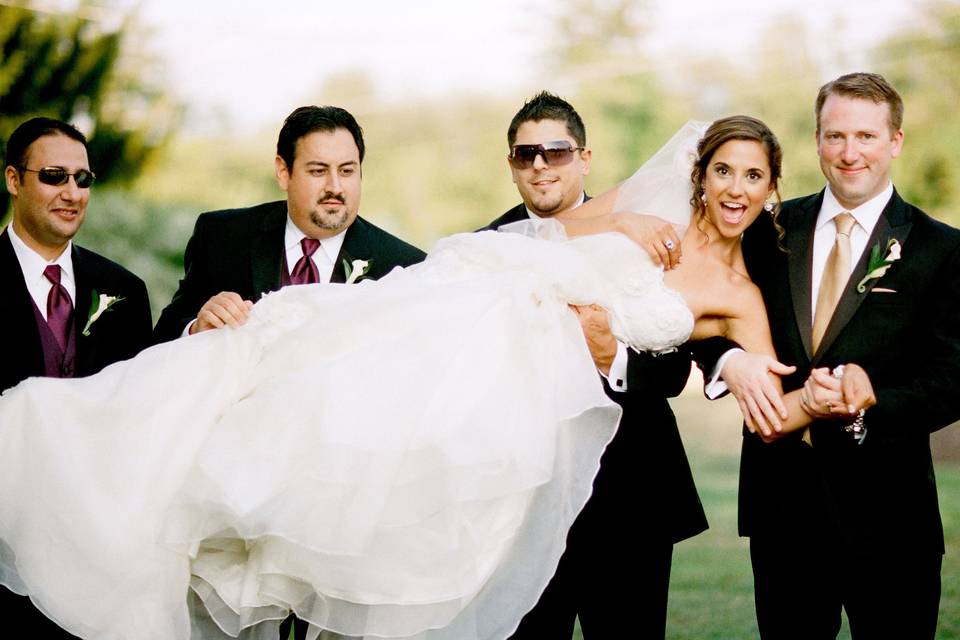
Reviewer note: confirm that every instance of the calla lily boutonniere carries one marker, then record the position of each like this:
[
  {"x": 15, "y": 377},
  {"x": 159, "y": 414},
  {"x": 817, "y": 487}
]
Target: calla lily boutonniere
[
  {"x": 355, "y": 270},
  {"x": 100, "y": 303},
  {"x": 879, "y": 263}
]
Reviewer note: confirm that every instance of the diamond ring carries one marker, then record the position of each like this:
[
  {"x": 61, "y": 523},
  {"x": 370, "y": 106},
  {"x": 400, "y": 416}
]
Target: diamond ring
[{"x": 669, "y": 245}]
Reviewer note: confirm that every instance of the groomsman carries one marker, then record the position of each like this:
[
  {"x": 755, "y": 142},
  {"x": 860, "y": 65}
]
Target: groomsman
[
  {"x": 315, "y": 235},
  {"x": 614, "y": 574},
  {"x": 64, "y": 311},
  {"x": 847, "y": 518}
]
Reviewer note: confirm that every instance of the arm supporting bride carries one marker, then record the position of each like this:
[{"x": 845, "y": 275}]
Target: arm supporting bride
[{"x": 657, "y": 236}]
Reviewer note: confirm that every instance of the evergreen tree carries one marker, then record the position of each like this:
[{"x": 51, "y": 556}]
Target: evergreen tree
[{"x": 67, "y": 67}]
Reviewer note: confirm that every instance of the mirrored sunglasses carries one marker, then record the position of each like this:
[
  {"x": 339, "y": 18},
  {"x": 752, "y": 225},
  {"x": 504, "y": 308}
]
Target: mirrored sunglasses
[
  {"x": 57, "y": 176},
  {"x": 555, "y": 154}
]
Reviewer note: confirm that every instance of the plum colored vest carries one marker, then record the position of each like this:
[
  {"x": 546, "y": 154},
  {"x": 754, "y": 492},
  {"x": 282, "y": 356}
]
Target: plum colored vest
[{"x": 57, "y": 363}]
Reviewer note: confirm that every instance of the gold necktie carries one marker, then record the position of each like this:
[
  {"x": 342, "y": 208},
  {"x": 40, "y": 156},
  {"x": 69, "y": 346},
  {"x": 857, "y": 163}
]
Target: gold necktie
[{"x": 836, "y": 272}]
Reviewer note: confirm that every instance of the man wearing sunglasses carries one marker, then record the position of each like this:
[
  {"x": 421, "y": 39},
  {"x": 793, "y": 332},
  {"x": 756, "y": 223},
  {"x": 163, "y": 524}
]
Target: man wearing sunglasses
[
  {"x": 644, "y": 473},
  {"x": 53, "y": 317}
]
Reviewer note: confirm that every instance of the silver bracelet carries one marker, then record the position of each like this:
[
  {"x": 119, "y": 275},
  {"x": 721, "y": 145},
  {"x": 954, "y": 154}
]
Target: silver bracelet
[{"x": 857, "y": 428}]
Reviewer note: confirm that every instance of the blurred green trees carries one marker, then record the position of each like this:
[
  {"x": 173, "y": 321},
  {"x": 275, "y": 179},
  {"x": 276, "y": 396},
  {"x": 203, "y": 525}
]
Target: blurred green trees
[
  {"x": 922, "y": 63},
  {"x": 438, "y": 166},
  {"x": 74, "y": 68}
]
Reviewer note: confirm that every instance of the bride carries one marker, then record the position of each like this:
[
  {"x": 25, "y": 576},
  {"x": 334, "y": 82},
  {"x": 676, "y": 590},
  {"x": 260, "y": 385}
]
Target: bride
[{"x": 399, "y": 458}]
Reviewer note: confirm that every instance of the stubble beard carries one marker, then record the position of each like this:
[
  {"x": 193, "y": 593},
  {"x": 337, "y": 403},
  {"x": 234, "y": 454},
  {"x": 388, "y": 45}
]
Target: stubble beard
[
  {"x": 548, "y": 206},
  {"x": 329, "y": 220}
]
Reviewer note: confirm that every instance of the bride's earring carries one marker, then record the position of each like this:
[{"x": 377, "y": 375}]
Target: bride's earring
[
  {"x": 703, "y": 198},
  {"x": 768, "y": 207}
]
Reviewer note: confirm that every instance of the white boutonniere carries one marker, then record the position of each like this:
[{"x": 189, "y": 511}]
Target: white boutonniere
[
  {"x": 100, "y": 303},
  {"x": 878, "y": 263},
  {"x": 355, "y": 270}
]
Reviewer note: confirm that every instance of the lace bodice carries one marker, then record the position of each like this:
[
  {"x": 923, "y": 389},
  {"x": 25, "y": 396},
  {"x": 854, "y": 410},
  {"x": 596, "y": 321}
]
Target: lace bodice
[{"x": 644, "y": 312}]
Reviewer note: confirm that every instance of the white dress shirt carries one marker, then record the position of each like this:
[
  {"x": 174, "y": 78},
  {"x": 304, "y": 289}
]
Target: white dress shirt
[
  {"x": 32, "y": 265},
  {"x": 825, "y": 234}
]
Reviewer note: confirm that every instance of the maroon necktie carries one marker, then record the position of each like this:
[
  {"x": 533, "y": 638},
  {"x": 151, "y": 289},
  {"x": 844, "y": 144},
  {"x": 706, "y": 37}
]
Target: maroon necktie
[
  {"x": 59, "y": 306},
  {"x": 305, "y": 271}
]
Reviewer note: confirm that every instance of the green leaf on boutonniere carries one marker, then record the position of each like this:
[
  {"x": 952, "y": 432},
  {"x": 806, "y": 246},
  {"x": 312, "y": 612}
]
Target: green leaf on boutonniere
[{"x": 880, "y": 260}]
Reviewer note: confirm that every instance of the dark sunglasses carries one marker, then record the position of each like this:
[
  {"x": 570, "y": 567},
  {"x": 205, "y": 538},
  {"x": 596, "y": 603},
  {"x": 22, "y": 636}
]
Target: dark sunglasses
[
  {"x": 555, "y": 154},
  {"x": 57, "y": 176}
]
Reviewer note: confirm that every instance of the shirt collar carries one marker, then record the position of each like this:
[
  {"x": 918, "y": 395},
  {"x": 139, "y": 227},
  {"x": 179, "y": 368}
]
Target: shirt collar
[
  {"x": 32, "y": 263},
  {"x": 866, "y": 214},
  {"x": 331, "y": 246}
]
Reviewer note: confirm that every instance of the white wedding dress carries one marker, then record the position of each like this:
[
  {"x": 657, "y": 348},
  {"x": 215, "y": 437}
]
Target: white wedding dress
[{"x": 390, "y": 459}]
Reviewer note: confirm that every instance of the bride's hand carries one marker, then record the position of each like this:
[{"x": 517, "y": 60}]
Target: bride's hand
[{"x": 655, "y": 235}]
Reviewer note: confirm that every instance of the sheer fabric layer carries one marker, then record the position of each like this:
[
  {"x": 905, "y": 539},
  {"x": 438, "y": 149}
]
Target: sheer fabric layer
[{"x": 395, "y": 459}]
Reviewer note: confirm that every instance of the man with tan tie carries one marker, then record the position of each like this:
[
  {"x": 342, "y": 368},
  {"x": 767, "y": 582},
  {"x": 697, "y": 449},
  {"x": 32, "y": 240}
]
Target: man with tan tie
[
  {"x": 315, "y": 235},
  {"x": 846, "y": 517}
]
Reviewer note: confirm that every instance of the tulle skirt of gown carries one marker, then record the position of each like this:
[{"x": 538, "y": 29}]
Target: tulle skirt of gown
[{"x": 396, "y": 459}]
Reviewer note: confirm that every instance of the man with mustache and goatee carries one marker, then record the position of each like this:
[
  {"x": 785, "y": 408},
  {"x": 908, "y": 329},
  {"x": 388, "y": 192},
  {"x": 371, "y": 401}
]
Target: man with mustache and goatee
[{"x": 237, "y": 255}]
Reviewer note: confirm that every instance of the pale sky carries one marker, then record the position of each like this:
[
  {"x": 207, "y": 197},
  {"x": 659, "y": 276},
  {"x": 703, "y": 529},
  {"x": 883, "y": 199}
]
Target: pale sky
[
  {"x": 249, "y": 63},
  {"x": 256, "y": 63}
]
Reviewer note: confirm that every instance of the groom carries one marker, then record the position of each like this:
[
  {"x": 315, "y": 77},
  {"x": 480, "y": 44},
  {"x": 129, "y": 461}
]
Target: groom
[
  {"x": 50, "y": 288},
  {"x": 613, "y": 575},
  {"x": 852, "y": 522},
  {"x": 315, "y": 235}
]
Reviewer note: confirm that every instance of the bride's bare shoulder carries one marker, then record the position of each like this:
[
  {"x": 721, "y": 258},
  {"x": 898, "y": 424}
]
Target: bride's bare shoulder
[{"x": 741, "y": 289}]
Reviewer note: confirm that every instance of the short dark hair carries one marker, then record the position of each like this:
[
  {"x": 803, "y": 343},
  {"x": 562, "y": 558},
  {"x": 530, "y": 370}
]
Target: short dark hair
[
  {"x": 864, "y": 86},
  {"x": 546, "y": 106},
  {"x": 31, "y": 131},
  {"x": 306, "y": 120}
]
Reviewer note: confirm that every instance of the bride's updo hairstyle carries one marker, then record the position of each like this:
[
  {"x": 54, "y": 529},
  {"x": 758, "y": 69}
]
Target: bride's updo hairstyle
[{"x": 735, "y": 128}]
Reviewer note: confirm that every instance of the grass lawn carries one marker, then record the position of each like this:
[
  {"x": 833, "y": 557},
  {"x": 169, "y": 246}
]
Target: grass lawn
[{"x": 711, "y": 587}]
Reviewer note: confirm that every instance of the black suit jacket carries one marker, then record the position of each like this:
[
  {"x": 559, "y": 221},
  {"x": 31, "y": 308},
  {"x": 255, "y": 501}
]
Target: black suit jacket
[
  {"x": 241, "y": 250},
  {"x": 118, "y": 334},
  {"x": 904, "y": 330},
  {"x": 644, "y": 469},
  {"x": 516, "y": 214}
]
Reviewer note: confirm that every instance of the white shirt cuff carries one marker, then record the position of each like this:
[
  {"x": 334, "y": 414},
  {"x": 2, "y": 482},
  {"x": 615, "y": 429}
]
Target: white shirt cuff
[
  {"x": 186, "y": 329},
  {"x": 715, "y": 387},
  {"x": 617, "y": 378}
]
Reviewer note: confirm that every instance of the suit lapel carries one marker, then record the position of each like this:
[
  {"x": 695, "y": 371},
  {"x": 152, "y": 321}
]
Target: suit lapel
[
  {"x": 894, "y": 222},
  {"x": 16, "y": 315},
  {"x": 266, "y": 251},
  {"x": 516, "y": 214},
  {"x": 85, "y": 279},
  {"x": 799, "y": 242},
  {"x": 356, "y": 246}
]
